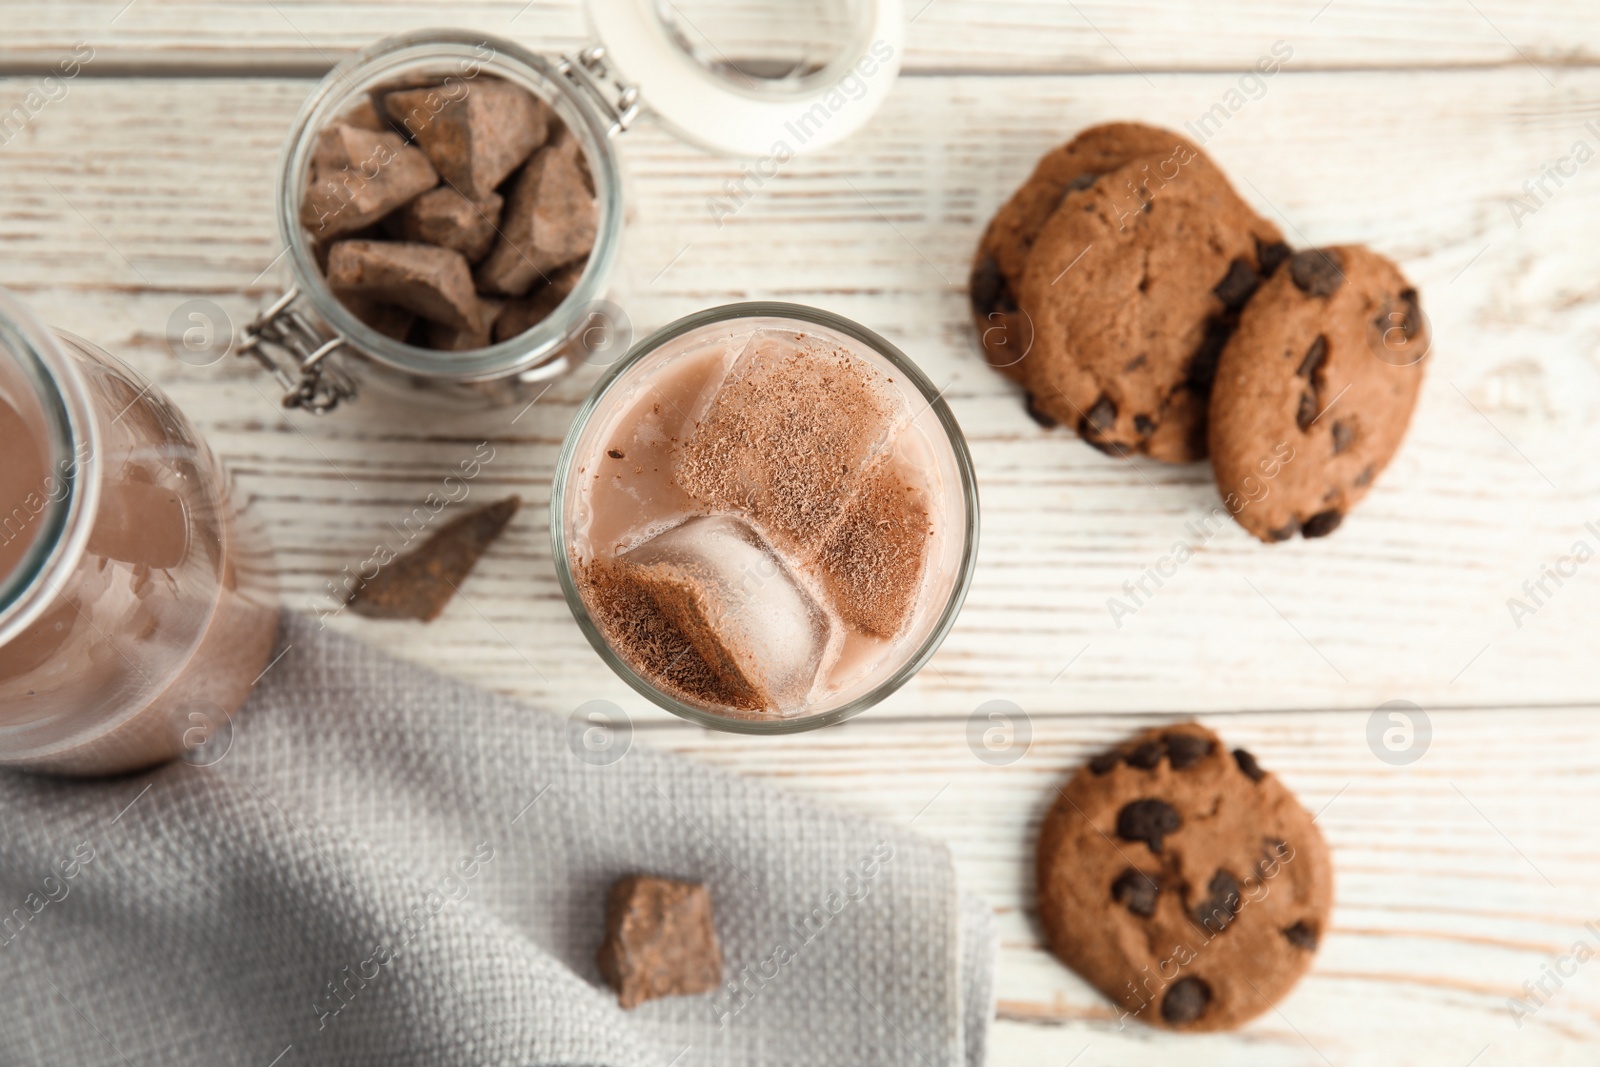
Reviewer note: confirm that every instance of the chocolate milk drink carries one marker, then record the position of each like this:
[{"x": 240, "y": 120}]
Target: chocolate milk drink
[
  {"x": 136, "y": 610},
  {"x": 766, "y": 521}
]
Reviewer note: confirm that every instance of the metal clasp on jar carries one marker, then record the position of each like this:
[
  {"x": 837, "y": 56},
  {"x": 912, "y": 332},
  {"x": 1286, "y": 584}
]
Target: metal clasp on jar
[
  {"x": 589, "y": 72},
  {"x": 295, "y": 350}
]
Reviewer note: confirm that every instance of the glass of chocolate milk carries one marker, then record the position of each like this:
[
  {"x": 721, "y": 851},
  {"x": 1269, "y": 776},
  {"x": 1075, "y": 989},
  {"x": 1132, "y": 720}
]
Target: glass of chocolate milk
[
  {"x": 765, "y": 518},
  {"x": 136, "y": 611}
]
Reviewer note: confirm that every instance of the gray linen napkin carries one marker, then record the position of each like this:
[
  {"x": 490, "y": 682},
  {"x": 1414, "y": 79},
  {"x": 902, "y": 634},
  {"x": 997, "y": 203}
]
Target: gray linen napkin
[{"x": 377, "y": 865}]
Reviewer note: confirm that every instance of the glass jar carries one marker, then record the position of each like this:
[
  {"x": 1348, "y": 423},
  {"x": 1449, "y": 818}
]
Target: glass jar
[
  {"x": 136, "y": 609},
  {"x": 767, "y": 108},
  {"x": 865, "y": 670}
]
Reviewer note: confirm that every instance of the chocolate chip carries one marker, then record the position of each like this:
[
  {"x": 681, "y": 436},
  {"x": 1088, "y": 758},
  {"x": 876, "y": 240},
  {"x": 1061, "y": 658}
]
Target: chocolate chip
[
  {"x": 1301, "y": 936},
  {"x": 1039, "y": 415},
  {"x": 1247, "y": 763},
  {"x": 1185, "y": 1001},
  {"x": 1364, "y": 479},
  {"x": 1403, "y": 312},
  {"x": 1271, "y": 256},
  {"x": 614, "y": 453},
  {"x": 1145, "y": 756},
  {"x": 1238, "y": 285},
  {"x": 1284, "y": 532},
  {"x": 1306, "y": 413},
  {"x": 1317, "y": 271},
  {"x": 1147, "y": 820},
  {"x": 1101, "y": 418},
  {"x": 989, "y": 290},
  {"x": 1413, "y": 312},
  {"x": 1315, "y": 357},
  {"x": 1144, "y": 424},
  {"x": 1343, "y": 436},
  {"x": 1322, "y": 523},
  {"x": 1185, "y": 750},
  {"x": 1137, "y": 890},
  {"x": 1203, "y": 364},
  {"x": 1136, "y": 362},
  {"x": 1221, "y": 905},
  {"x": 1105, "y": 762},
  {"x": 1103, "y": 415},
  {"x": 1082, "y": 181}
]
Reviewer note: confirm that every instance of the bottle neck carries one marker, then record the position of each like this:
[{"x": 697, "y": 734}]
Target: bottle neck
[{"x": 48, "y": 488}]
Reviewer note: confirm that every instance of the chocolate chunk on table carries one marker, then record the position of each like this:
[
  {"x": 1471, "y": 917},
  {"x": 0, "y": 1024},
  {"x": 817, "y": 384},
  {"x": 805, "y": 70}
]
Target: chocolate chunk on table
[
  {"x": 551, "y": 219},
  {"x": 358, "y": 176},
  {"x": 661, "y": 940},
  {"x": 420, "y": 583},
  {"x": 436, "y": 283},
  {"x": 445, "y": 218},
  {"x": 476, "y": 132}
]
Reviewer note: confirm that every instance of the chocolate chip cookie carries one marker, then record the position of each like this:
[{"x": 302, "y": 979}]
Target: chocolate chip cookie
[
  {"x": 1182, "y": 880},
  {"x": 1003, "y": 330},
  {"x": 1132, "y": 287},
  {"x": 1314, "y": 391}
]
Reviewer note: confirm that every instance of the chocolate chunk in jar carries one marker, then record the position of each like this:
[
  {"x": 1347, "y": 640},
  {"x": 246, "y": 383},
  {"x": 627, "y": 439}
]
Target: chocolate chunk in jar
[
  {"x": 525, "y": 312},
  {"x": 476, "y": 132},
  {"x": 357, "y": 177},
  {"x": 551, "y": 219},
  {"x": 436, "y": 283},
  {"x": 445, "y": 218}
]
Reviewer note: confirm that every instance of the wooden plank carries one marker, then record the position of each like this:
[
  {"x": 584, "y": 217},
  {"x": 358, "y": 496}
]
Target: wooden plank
[
  {"x": 1408, "y": 600},
  {"x": 1456, "y": 881},
  {"x": 944, "y": 35}
]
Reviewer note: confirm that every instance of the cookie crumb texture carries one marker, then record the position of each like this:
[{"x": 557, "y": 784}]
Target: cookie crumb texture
[
  {"x": 1315, "y": 390},
  {"x": 1183, "y": 881},
  {"x": 661, "y": 940}
]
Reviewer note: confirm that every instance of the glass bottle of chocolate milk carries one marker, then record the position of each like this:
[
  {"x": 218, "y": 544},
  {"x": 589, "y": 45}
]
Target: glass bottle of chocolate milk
[{"x": 136, "y": 609}]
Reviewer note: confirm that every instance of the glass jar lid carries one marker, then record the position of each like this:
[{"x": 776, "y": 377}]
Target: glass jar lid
[{"x": 721, "y": 85}]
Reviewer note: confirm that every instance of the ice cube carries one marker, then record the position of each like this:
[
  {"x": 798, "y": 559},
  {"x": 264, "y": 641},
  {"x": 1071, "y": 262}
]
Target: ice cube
[
  {"x": 724, "y": 588},
  {"x": 789, "y": 435},
  {"x": 872, "y": 560}
]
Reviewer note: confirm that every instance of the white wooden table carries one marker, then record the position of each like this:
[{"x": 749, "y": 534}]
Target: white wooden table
[{"x": 1407, "y": 125}]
